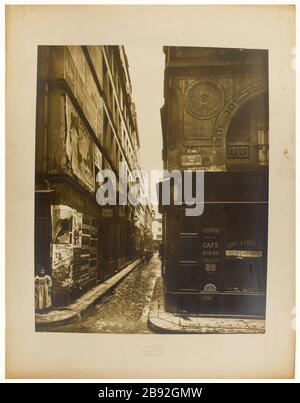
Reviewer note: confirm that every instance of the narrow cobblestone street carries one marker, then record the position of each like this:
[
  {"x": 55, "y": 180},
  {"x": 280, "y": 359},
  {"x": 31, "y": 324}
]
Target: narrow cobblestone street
[{"x": 125, "y": 309}]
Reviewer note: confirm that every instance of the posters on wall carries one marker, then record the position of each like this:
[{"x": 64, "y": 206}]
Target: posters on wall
[
  {"x": 62, "y": 265},
  {"x": 61, "y": 217},
  {"x": 66, "y": 235},
  {"x": 79, "y": 147},
  {"x": 66, "y": 225},
  {"x": 77, "y": 229}
]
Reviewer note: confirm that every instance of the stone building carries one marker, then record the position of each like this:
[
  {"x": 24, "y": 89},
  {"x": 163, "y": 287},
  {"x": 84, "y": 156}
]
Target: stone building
[
  {"x": 85, "y": 122},
  {"x": 216, "y": 119},
  {"x": 216, "y": 103},
  {"x": 157, "y": 230}
]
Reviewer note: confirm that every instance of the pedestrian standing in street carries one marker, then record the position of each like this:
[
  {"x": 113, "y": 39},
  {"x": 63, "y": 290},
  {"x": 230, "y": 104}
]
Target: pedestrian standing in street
[{"x": 43, "y": 285}]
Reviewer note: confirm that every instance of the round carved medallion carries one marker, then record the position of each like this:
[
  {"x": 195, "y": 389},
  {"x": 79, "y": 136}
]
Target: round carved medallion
[{"x": 204, "y": 99}]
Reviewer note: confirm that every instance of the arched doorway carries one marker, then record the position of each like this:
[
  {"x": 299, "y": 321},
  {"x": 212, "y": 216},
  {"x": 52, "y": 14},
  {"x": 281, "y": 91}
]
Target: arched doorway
[{"x": 247, "y": 135}]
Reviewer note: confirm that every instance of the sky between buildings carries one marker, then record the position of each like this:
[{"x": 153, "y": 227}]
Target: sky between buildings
[{"x": 146, "y": 68}]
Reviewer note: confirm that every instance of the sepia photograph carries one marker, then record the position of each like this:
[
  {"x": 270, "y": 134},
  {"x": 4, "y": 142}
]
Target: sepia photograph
[
  {"x": 109, "y": 255},
  {"x": 150, "y": 192}
]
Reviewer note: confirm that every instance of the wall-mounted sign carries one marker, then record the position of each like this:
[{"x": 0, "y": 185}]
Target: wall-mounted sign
[
  {"x": 210, "y": 267},
  {"x": 211, "y": 230},
  {"x": 244, "y": 253},
  {"x": 210, "y": 249},
  {"x": 192, "y": 150},
  {"x": 191, "y": 160},
  {"x": 245, "y": 244}
]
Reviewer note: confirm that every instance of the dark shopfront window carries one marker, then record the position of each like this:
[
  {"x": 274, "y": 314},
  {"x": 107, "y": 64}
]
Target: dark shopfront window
[
  {"x": 227, "y": 246},
  {"x": 244, "y": 275},
  {"x": 245, "y": 247}
]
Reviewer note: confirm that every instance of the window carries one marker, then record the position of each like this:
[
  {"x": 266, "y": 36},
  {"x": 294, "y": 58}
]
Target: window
[
  {"x": 116, "y": 81},
  {"x": 121, "y": 98},
  {"x": 113, "y": 150},
  {"x": 105, "y": 77},
  {"x": 111, "y": 58},
  {"x": 117, "y": 120},
  {"x": 104, "y": 65},
  {"x": 105, "y": 130},
  {"x": 117, "y": 156},
  {"x": 108, "y": 138},
  {"x": 110, "y": 96},
  {"x": 120, "y": 125}
]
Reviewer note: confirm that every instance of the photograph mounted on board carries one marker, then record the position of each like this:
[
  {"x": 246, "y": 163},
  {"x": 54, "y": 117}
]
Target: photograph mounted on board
[{"x": 118, "y": 257}]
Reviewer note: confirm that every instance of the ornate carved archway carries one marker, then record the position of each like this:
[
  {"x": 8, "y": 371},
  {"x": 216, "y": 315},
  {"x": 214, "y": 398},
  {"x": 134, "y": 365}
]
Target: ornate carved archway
[{"x": 230, "y": 109}]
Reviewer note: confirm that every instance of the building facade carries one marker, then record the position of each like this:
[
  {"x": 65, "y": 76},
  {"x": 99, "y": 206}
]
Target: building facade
[
  {"x": 85, "y": 123},
  {"x": 215, "y": 119},
  {"x": 157, "y": 230}
]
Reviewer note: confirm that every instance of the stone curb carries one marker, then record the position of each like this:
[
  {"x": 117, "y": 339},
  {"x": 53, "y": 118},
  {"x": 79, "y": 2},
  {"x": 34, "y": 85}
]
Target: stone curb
[
  {"x": 161, "y": 321},
  {"x": 81, "y": 305}
]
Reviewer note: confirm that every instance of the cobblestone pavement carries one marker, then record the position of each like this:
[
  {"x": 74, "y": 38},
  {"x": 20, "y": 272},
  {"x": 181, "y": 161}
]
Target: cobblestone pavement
[{"x": 125, "y": 310}]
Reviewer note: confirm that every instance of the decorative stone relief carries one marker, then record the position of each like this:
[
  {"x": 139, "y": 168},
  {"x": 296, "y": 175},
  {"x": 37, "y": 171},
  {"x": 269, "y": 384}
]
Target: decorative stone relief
[
  {"x": 204, "y": 99},
  {"x": 231, "y": 107}
]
